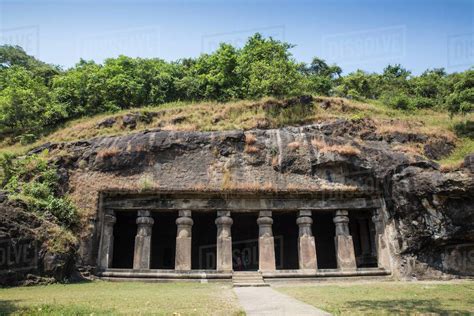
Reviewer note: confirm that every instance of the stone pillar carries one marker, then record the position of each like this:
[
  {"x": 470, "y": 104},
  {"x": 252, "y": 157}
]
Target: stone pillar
[
  {"x": 343, "y": 241},
  {"x": 224, "y": 241},
  {"x": 266, "y": 243},
  {"x": 107, "y": 245},
  {"x": 142, "y": 255},
  {"x": 383, "y": 256},
  {"x": 183, "y": 241},
  {"x": 306, "y": 245}
]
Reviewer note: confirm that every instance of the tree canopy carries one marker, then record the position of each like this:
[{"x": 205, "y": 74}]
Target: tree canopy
[{"x": 36, "y": 96}]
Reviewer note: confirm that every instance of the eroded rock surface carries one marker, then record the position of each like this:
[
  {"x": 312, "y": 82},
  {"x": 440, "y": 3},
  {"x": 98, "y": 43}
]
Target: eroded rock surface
[{"x": 431, "y": 213}]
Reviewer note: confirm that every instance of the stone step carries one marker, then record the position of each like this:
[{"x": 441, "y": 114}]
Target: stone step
[
  {"x": 250, "y": 284},
  {"x": 247, "y": 279}
]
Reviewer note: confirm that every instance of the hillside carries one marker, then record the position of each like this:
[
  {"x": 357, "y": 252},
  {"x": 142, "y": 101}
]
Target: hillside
[{"x": 433, "y": 134}]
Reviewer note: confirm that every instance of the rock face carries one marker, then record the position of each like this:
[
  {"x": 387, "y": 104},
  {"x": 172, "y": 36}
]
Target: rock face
[
  {"x": 430, "y": 214},
  {"x": 25, "y": 258}
]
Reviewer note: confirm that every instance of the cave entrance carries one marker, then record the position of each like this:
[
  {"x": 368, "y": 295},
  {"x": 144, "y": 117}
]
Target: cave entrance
[
  {"x": 362, "y": 230},
  {"x": 245, "y": 241},
  {"x": 125, "y": 230},
  {"x": 204, "y": 255},
  {"x": 163, "y": 240},
  {"x": 285, "y": 232},
  {"x": 324, "y": 232}
]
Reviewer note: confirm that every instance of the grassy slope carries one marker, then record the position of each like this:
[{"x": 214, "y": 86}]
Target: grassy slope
[
  {"x": 132, "y": 298},
  {"x": 388, "y": 298},
  {"x": 212, "y": 116}
]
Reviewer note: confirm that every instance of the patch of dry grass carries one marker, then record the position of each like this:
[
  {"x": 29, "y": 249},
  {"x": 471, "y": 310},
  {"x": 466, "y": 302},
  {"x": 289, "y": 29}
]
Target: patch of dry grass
[
  {"x": 293, "y": 146},
  {"x": 345, "y": 150},
  {"x": 108, "y": 152},
  {"x": 411, "y": 149},
  {"x": 250, "y": 149}
]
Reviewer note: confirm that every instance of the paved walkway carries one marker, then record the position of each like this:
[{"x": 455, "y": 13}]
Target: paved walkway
[{"x": 258, "y": 301}]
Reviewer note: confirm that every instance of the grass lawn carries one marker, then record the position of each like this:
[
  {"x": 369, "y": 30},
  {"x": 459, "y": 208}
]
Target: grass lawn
[
  {"x": 98, "y": 298},
  {"x": 379, "y": 298}
]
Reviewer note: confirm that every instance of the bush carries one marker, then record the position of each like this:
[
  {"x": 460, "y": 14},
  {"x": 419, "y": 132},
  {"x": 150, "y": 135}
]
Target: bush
[
  {"x": 465, "y": 129},
  {"x": 399, "y": 102},
  {"x": 35, "y": 182}
]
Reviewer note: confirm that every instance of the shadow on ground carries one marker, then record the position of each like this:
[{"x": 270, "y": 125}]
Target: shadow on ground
[
  {"x": 8, "y": 306},
  {"x": 408, "y": 306}
]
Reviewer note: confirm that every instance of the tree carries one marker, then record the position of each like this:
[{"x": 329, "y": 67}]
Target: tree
[
  {"x": 266, "y": 68},
  {"x": 25, "y": 103},
  {"x": 16, "y": 56},
  {"x": 461, "y": 99}
]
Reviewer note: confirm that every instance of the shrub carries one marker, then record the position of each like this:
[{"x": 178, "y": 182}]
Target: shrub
[{"x": 35, "y": 182}]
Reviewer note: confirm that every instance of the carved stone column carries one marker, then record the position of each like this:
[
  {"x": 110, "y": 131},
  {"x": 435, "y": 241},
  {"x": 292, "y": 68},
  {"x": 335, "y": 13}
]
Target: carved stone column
[
  {"x": 107, "y": 245},
  {"x": 266, "y": 243},
  {"x": 383, "y": 256},
  {"x": 224, "y": 241},
  {"x": 142, "y": 255},
  {"x": 306, "y": 245},
  {"x": 343, "y": 241},
  {"x": 183, "y": 241}
]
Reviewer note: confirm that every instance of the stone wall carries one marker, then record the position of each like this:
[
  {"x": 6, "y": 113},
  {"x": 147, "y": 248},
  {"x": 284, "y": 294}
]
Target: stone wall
[{"x": 429, "y": 215}]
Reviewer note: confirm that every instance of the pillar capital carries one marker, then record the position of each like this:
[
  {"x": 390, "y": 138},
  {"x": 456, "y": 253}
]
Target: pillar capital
[
  {"x": 184, "y": 221},
  {"x": 110, "y": 219},
  {"x": 145, "y": 221},
  {"x": 341, "y": 219},
  {"x": 224, "y": 221}
]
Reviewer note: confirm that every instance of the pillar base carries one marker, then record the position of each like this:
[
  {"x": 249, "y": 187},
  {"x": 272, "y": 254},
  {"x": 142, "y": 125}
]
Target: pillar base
[
  {"x": 183, "y": 254},
  {"x": 224, "y": 254},
  {"x": 141, "y": 258},
  {"x": 266, "y": 254},
  {"x": 307, "y": 253},
  {"x": 345, "y": 253}
]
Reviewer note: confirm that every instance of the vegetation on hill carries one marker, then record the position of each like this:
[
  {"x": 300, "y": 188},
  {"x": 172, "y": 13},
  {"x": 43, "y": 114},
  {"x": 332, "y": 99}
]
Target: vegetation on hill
[{"x": 36, "y": 98}]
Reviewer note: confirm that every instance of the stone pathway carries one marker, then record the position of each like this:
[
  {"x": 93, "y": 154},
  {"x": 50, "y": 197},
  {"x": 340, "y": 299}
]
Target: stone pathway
[{"x": 258, "y": 301}]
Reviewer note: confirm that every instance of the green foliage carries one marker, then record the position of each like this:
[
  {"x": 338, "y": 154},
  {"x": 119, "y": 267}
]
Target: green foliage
[
  {"x": 461, "y": 99},
  {"x": 25, "y": 103},
  {"x": 35, "y": 97},
  {"x": 465, "y": 129},
  {"x": 33, "y": 181}
]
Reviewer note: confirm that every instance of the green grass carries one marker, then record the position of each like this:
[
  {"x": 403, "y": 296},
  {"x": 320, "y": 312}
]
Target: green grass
[
  {"x": 101, "y": 298},
  {"x": 388, "y": 298}
]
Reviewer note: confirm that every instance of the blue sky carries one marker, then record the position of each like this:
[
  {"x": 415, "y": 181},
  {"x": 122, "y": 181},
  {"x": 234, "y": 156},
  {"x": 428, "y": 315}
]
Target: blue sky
[{"x": 354, "y": 34}]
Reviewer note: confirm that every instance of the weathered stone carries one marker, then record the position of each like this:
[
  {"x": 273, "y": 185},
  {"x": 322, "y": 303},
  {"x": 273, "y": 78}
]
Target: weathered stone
[
  {"x": 266, "y": 244},
  {"x": 345, "y": 255},
  {"x": 306, "y": 244},
  {"x": 224, "y": 243},
  {"x": 427, "y": 212},
  {"x": 107, "y": 243},
  {"x": 183, "y": 241},
  {"x": 142, "y": 255}
]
